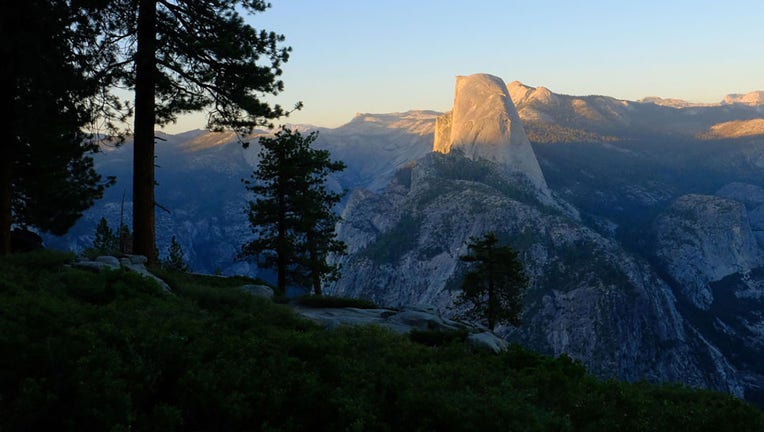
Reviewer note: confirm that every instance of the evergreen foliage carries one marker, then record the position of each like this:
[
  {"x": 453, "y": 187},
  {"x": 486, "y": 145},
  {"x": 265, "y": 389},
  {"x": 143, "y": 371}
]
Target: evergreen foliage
[
  {"x": 175, "y": 257},
  {"x": 113, "y": 351},
  {"x": 49, "y": 91},
  {"x": 106, "y": 241},
  {"x": 292, "y": 215},
  {"x": 181, "y": 56},
  {"x": 494, "y": 287}
]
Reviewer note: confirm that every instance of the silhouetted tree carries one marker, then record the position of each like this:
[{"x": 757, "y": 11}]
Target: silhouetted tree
[
  {"x": 175, "y": 257},
  {"x": 495, "y": 284},
  {"x": 292, "y": 214},
  {"x": 315, "y": 205},
  {"x": 48, "y": 91},
  {"x": 181, "y": 56},
  {"x": 106, "y": 241}
]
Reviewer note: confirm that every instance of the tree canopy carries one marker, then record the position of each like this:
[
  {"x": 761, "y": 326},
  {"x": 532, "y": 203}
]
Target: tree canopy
[
  {"x": 49, "y": 91},
  {"x": 494, "y": 286},
  {"x": 292, "y": 215},
  {"x": 179, "y": 56}
]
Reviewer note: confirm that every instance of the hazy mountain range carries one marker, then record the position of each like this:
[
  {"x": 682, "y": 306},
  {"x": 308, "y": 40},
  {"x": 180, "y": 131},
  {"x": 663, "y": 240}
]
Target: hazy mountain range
[{"x": 641, "y": 223}]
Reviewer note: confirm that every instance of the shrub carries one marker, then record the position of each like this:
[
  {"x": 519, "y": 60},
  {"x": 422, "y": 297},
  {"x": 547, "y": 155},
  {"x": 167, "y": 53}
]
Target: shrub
[
  {"x": 436, "y": 338},
  {"x": 110, "y": 351}
]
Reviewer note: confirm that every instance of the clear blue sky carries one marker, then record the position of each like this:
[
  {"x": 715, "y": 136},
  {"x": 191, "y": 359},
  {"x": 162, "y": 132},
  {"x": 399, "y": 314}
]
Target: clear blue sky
[{"x": 395, "y": 55}]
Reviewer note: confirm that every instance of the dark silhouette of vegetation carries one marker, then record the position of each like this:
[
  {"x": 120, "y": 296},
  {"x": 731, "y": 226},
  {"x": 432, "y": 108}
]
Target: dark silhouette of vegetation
[
  {"x": 292, "y": 215},
  {"x": 495, "y": 284},
  {"x": 109, "y": 242},
  {"x": 49, "y": 91},
  {"x": 113, "y": 351},
  {"x": 175, "y": 257},
  {"x": 106, "y": 242},
  {"x": 179, "y": 56}
]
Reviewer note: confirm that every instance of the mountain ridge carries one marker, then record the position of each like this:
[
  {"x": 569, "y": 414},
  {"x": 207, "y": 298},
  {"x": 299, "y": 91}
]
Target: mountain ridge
[{"x": 599, "y": 283}]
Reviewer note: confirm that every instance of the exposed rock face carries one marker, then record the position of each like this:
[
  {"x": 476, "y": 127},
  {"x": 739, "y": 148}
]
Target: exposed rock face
[
  {"x": 405, "y": 320},
  {"x": 134, "y": 263},
  {"x": 374, "y": 146},
  {"x": 618, "y": 162},
  {"x": 484, "y": 124},
  {"x": 753, "y": 98},
  {"x": 702, "y": 239},
  {"x": 263, "y": 291},
  {"x": 587, "y": 297},
  {"x": 752, "y": 197}
]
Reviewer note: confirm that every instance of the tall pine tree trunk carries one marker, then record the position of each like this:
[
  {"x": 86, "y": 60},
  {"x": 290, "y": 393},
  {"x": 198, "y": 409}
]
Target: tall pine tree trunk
[{"x": 144, "y": 236}]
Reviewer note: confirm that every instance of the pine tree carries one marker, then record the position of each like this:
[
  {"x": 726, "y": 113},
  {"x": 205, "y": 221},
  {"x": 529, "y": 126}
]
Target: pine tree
[
  {"x": 175, "y": 257},
  {"x": 186, "y": 55},
  {"x": 318, "y": 220},
  {"x": 105, "y": 241},
  {"x": 495, "y": 285},
  {"x": 48, "y": 86},
  {"x": 292, "y": 215}
]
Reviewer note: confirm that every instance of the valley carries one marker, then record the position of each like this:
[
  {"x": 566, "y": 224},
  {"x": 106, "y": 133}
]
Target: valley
[{"x": 640, "y": 223}]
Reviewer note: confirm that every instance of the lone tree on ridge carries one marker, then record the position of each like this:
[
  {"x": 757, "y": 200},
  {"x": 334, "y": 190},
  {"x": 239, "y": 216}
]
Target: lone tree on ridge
[
  {"x": 495, "y": 284},
  {"x": 292, "y": 214}
]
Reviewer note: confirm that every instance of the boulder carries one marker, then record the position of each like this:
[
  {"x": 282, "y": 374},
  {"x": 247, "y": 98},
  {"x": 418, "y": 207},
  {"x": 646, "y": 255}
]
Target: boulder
[
  {"x": 487, "y": 341},
  {"x": 109, "y": 260},
  {"x": 258, "y": 290},
  {"x": 418, "y": 320},
  {"x": 92, "y": 266},
  {"x": 132, "y": 263},
  {"x": 412, "y": 317}
]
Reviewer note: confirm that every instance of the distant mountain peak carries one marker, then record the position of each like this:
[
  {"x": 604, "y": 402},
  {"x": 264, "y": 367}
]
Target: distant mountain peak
[
  {"x": 672, "y": 102},
  {"x": 754, "y": 98},
  {"x": 484, "y": 124},
  {"x": 524, "y": 94}
]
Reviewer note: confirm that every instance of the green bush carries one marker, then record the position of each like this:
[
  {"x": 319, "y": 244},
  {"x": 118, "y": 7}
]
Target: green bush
[
  {"x": 111, "y": 351},
  {"x": 436, "y": 338}
]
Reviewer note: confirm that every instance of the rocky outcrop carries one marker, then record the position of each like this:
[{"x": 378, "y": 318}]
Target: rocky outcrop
[
  {"x": 133, "y": 263},
  {"x": 703, "y": 238},
  {"x": 263, "y": 291},
  {"x": 484, "y": 124},
  {"x": 587, "y": 297},
  {"x": 752, "y": 197},
  {"x": 754, "y": 98},
  {"x": 403, "y": 320}
]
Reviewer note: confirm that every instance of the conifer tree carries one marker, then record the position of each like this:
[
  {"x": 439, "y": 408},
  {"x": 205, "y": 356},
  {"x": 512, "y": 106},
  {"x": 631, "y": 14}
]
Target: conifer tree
[
  {"x": 495, "y": 284},
  {"x": 105, "y": 241},
  {"x": 292, "y": 215},
  {"x": 175, "y": 257},
  {"x": 48, "y": 90},
  {"x": 318, "y": 220},
  {"x": 181, "y": 56}
]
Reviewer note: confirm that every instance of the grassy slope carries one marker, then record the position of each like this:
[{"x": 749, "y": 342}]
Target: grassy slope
[{"x": 111, "y": 351}]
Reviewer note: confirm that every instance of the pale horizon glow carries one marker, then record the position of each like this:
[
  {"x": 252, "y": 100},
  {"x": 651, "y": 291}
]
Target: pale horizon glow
[{"x": 378, "y": 57}]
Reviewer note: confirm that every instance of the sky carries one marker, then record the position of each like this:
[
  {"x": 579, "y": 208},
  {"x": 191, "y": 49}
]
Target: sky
[{"x": 359, "y": 56}]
